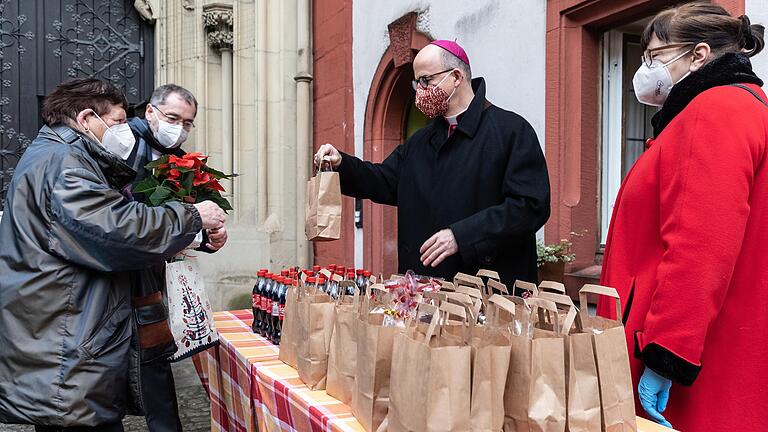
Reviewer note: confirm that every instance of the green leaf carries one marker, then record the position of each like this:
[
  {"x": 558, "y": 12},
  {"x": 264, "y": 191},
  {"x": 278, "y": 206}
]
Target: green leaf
[
  {"x": 187, "y": 179},
  {"x": 222, "y": 202},
  {"x": 218, "y": 175},
  {"x": 160, "y": 196},
  {"x": 157, "y": 162},
  {"x": 146, "y": 185}
]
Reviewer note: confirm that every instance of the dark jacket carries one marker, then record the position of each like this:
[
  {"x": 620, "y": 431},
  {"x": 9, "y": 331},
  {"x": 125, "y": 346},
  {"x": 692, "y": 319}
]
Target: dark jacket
[
  {"x": 69, "y": 239},
  {"x": 487, "y": 182}
]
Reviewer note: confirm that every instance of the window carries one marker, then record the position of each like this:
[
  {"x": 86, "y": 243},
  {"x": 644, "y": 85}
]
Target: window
[{"x": 626, "y": 123}]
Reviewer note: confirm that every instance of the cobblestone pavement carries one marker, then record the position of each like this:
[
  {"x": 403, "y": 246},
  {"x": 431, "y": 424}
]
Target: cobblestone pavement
[{"x": 195, "y": 410}]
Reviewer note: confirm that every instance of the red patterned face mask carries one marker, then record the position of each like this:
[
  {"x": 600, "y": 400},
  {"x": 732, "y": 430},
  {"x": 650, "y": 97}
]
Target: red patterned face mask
[{"x": 433, "y": 100}]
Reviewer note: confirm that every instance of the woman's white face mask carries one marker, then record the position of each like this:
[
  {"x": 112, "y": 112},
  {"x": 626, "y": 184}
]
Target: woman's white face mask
[
  {"x": 653, "y": 83},
  {"x": 117, "y": 139}
]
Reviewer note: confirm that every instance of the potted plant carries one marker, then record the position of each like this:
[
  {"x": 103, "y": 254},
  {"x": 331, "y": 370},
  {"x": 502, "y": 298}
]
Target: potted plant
[{"x": 552, "y": 258}]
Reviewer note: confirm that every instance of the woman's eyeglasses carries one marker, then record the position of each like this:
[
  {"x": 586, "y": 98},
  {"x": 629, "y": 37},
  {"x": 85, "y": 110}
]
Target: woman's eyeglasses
[{"x": 647, "y": 56}]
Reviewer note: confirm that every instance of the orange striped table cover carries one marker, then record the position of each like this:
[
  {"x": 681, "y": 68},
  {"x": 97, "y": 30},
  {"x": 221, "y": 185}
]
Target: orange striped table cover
[{"x": 251, "y": 390}]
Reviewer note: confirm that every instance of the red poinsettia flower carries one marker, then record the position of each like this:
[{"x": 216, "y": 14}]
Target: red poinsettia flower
[
  {"x": 174, "y": 174},
  {"x": 181, "y": 163},
  {"x": 197, "y": 159},
  {"x": 201, "y": 178},
  {"x": 214, "y": 184}
]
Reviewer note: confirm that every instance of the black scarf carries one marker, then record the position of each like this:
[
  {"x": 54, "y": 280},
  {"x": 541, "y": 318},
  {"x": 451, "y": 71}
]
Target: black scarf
[{"x": 730, "y": 68}]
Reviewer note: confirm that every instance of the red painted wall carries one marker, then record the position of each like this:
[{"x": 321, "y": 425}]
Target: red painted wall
[
  {"x": 572, "y": 111},
  {"x": 333, "y": 107}
]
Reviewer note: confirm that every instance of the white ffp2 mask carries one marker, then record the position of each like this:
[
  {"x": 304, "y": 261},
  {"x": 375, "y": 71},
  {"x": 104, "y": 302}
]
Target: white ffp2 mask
[
  {"x": 167, "y": 134},
  {"x": 652, "y": 84},
  {"x": 118, "y": 139}
]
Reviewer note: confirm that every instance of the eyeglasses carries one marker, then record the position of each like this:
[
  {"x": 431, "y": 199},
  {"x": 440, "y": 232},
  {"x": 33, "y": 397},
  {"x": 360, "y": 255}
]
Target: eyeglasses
[
  {"x": 647, "y": 56},
  {"x": 424, "y": 80},
  {"x": 174, "y": 119}
]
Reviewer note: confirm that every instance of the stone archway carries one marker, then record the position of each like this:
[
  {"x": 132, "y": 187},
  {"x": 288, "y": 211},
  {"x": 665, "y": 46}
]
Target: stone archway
[{"x": 386, "y": 110}]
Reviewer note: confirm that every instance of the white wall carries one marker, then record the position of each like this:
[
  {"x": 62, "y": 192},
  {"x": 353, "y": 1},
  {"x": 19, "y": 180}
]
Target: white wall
[
  {"x": 505, "y": 42},
  {"x": 757, "y": 11}
]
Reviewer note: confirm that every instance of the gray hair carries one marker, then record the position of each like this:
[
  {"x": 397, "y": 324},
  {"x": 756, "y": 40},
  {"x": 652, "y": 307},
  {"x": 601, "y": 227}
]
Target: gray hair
[
  {"x": 161, "y": 93},
  {"x": 450, "y": 61}
]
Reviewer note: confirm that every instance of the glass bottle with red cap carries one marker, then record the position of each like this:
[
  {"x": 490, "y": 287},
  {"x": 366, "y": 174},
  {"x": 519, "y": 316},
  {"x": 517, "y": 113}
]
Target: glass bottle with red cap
[
  {"x": 322, "y": 284},
  {"x": 256, "y": 299},
  {"x": 275, "y": 311},
  {"x": 262, "y": 303},
  {"x": 267, "y": 304}
]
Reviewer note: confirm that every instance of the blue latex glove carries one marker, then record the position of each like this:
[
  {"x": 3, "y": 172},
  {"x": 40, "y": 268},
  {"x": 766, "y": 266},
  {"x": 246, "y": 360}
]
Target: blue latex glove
[{"x": 653, "y": 391}]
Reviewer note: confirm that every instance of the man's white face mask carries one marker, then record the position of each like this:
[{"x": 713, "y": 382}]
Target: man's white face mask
[{"x": 167, "y": 134}]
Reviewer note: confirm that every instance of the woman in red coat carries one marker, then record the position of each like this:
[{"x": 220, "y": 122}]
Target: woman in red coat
[{"x": 688, "y": 244}]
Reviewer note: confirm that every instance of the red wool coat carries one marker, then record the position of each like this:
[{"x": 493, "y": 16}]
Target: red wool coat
[{"x": 688, "y": 251}]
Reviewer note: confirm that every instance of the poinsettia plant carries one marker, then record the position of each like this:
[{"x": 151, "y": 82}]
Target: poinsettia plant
[{"x": 187, "y": 178}]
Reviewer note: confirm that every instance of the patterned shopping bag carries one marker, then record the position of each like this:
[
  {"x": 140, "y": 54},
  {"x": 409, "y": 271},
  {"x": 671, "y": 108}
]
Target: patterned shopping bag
[{"x": 189, "y": 310}]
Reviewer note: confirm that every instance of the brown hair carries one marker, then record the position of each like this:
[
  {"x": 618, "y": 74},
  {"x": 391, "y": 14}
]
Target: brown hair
[
  {"x": 75, "y": 95},
  {"x": 703, "y": 22}
]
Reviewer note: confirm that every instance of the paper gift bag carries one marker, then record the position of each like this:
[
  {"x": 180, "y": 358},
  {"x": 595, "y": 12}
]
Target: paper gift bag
[
  {"x": 342, "y": 359},
  {"x": 582, "y": 387},
  {"x": 535, "y": 395},
  {"x": 613, "y": 371},
  {"x": 490, "y": 363},
  {"x": 189, "y": 311},
  {"x": 315, "y": 315},
  {"x": 289, "y": 331},
  {"x": 431, "y": 379},
  {"x": 370, "y": 398},
  {"x": 323, "y": 207}
]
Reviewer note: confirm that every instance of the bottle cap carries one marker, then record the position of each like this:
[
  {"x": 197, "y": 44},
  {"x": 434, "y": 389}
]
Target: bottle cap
[
  {"x": 311, "y": 280},
  {"x": 367, "y": 273},
  {"x": 360, "y": 272}
]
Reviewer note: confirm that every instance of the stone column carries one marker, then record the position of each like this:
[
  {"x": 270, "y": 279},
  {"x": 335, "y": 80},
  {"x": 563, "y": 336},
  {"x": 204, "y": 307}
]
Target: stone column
[
  {"x": 218, "y": 23},
  {"x": 303, "y": 80}
]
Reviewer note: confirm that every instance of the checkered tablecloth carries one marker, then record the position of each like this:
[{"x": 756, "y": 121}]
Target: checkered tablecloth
[{"x": 249, "y": 387}]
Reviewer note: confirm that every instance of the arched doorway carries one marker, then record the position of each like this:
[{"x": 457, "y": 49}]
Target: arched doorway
[{"x": 390, "y": 116}]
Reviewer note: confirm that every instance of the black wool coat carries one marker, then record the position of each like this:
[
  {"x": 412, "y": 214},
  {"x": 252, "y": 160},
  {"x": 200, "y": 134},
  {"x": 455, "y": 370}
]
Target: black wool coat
[{"x": 487, "y": 182}]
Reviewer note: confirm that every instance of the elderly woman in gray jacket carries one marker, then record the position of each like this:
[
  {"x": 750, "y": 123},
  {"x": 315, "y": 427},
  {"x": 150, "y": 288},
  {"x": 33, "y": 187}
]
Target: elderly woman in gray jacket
[{"x": 69, "y": 237}]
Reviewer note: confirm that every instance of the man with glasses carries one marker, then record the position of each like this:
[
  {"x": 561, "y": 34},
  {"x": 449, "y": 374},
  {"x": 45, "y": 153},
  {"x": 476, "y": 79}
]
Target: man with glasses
[
  {"x": 168, "y": 119},
  {"x": 471, "y": 188}
]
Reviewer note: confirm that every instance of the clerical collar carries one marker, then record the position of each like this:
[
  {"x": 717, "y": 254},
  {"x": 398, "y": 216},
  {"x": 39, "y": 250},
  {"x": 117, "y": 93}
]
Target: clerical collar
[{"x": 454, "y": 120}]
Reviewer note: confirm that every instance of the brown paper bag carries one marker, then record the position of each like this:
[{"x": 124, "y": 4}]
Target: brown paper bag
[
  {"x": 342, "y": 358},
  {"x": 523, "y": 287},
  {"x": 323, "y": 207},
  {"x": 583, "y": 387},
  {"x": 370, "y": 398},
  {"x": 288, "y": 336},
  {"x": 315, "y": 314},
  {"x": 535, "y": 396},
  {"x": 431, "y": 379},
  {"x": 490, "y": 363},
  {"x": 609, "y": 342},
  {"x": 551, "y": 286}
]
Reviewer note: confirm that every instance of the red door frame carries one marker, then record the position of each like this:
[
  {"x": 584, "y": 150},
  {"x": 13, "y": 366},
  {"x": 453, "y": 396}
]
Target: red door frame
[
  {"x": 572, "y": 109},
  {"x": 385, "y": 116}
]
